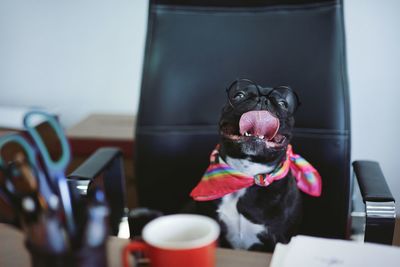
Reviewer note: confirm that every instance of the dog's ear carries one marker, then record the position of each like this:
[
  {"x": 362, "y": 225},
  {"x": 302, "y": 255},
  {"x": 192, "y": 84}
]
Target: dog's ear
[{"x": 298, "y": 102}]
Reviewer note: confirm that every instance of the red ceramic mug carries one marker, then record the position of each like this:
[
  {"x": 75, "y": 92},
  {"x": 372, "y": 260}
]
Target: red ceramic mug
[{"x": 182, "y": 240}]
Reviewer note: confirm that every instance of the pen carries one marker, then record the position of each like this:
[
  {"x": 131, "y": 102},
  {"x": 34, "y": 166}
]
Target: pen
[
  {"x": 47, "y": 233},
  {"x": 97, "y": 221},
  {"x": 66, "y": 202}
]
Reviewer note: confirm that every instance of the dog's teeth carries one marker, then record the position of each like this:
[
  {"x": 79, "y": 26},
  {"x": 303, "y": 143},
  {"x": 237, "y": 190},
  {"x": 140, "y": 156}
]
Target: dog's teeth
[
  {"x": 261, "y": 136},
  {"x": 246, "y": 134}
]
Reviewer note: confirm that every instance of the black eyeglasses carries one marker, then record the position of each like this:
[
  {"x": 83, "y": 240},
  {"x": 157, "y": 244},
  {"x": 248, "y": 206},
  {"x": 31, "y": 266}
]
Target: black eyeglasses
[{"x": 284, "y": 100}]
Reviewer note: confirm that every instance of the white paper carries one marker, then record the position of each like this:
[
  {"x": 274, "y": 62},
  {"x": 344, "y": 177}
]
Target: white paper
[
  {"x": 303, "y": 251},
  {"x": 279, "y": 255}
]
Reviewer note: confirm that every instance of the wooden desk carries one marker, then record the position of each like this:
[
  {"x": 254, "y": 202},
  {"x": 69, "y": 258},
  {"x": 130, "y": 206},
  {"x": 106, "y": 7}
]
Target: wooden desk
[{"x": 13, "y": 252}]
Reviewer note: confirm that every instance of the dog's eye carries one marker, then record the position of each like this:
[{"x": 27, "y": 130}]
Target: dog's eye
[
  {"x": 239, "y": 96},
  {"x": 282, "y": 104}
]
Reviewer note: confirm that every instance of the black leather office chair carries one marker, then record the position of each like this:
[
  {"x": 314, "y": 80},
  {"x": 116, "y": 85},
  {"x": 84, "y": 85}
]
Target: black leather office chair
[{"x": 195, "y": 48}]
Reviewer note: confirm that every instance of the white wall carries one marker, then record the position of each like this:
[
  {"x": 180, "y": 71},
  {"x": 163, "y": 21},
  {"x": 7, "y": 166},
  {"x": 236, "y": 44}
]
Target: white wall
[
  {"x": 74, "y": 57},
  {"x": 54, "y": 52},
  {"x": 373, "y": 56}
]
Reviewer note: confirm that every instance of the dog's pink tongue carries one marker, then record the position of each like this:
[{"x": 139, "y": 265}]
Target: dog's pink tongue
[{"x": 259, "y": 123}]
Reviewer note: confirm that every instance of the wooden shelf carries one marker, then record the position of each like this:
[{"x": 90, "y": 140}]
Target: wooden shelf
[{"x": 99, "y": 130}]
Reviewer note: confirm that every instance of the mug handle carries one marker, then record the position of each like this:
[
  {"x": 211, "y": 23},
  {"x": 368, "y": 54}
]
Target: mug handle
[{"x": 132, "y": 247}]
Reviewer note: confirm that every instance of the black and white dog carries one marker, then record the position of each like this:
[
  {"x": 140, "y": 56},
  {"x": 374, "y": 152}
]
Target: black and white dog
[
  {"x": 252, "y": 186},
  {"x": 256, "y": 127}
]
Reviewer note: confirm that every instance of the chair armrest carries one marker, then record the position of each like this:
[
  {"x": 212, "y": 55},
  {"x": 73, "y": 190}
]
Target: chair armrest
[
  {"x": 379, "y": 202},
  {"x": 104, "y": 168},
  {"x": 96, "y": 163}
]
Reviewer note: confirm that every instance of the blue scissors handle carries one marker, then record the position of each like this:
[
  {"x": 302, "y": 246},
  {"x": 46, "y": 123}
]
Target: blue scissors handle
[
  {"x": 54, "y": 168},
  {"x": 18, "y": 139},
  {"x": 30, "y": 154}
]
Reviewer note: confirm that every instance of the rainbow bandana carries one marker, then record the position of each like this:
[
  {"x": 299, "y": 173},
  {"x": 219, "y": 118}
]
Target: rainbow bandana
[{"x": 220, "y": 179}]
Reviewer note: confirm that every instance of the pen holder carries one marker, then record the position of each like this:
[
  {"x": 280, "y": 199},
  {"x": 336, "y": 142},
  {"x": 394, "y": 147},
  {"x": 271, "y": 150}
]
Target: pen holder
[{"x": 81, "y": 257}]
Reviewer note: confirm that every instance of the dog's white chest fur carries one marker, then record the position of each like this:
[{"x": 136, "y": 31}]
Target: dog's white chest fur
[{"x": 240, "y": 232}]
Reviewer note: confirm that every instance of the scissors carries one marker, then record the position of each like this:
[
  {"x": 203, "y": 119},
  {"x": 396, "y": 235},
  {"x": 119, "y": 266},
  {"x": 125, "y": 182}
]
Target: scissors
[{"x": 51, "y": 173}]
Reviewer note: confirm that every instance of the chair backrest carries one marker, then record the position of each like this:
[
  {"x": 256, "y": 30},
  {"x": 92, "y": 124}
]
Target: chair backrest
[{"x": 195, "y": 48}]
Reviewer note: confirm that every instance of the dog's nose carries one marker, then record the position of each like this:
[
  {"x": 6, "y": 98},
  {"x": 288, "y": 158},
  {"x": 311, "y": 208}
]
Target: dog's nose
[{"x": 263, "y": 102}]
